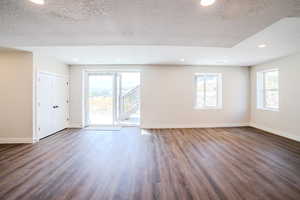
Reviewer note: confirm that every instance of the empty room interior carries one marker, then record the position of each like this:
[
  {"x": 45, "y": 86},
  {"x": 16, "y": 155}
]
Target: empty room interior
[{"x": 150, "y": 100}]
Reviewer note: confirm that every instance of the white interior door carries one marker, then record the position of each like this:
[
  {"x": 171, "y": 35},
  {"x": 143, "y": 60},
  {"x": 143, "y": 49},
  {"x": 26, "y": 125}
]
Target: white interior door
[
  {"x": 59, "y": 103},
  {"x": 45, "y": 105},
  {"x": 52, "y": 112}
]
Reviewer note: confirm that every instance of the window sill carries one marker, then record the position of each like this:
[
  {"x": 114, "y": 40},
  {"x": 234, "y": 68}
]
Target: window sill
[
  {"x": 208, "y": 108},
  {"x": 269, "y": 109}
]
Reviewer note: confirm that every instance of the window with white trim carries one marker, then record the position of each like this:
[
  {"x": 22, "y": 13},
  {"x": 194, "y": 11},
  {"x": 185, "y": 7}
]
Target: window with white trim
[
  {"x": 268, "y": 89},
  {"x": 208, "y": 91}
]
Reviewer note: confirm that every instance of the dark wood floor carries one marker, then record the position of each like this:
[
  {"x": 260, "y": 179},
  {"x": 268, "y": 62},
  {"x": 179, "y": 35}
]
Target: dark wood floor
[{"x": 134, "y": 164}]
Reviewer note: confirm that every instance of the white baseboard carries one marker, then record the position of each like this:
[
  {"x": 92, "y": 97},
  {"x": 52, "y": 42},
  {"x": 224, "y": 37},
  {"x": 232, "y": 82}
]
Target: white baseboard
[
  {"x": 103, "y": 128},
  {"x": 201, "y": 125},
  {"x": 276, "y": 131},
  {"x": 75, "y": 125},
  {"x": 16, "y": 140},
  {"x": 35, "y": 140}
]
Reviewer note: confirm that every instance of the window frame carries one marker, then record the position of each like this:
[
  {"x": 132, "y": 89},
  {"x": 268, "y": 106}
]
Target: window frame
[
  {"x": 219, "y": 92},
  {"x": 262, "y": 91}
]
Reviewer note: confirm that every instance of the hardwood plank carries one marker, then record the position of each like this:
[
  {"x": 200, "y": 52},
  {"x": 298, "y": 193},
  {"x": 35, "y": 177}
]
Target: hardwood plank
[{"x": 164, "y": 164}]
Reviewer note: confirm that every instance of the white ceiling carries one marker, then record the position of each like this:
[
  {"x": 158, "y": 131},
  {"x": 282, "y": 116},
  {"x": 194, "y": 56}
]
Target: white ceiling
[
  {"x": 281, "y": 38},
  {"x": 153, "y": 31},
  {"x": 138, "y": 22}
]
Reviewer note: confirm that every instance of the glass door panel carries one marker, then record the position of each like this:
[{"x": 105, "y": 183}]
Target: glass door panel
[
  {"x": 129, "y": 98},
  {"x": 101, "y": 99}
]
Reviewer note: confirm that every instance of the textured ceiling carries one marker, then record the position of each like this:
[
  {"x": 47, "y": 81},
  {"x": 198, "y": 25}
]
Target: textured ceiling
[
  {"x": 281, "y": 38},
  {"x": 138, "y": 22}
]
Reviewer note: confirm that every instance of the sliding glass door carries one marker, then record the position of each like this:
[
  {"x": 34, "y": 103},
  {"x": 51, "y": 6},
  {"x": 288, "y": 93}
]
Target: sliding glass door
[
  {"x": 101, "y": 99},
  {"x": 129, "y": 98},
  {"x": 113, "y": 98}
]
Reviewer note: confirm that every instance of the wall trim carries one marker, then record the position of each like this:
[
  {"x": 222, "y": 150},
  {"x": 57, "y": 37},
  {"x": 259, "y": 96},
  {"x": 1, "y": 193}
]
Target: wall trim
[
  {"x": 201, "y": 125},
  {"x": 16, "y": 140},
  {"x": 276, "y": 131},
  {"x": 35, "y": 140},
  {"x": 53, "y": 74},
  {"x": 75, "y": 125}
]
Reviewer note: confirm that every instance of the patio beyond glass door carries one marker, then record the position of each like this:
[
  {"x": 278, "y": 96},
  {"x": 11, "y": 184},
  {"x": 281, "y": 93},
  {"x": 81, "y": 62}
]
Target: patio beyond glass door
[{"x": 101, "y": 99}]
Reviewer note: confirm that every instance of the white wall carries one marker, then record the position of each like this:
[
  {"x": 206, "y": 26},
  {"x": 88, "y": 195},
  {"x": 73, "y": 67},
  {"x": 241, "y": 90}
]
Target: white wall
[
  {"x": 168, "y": 94},
  {"x": 168, "y": 98},
  {"x": 286, "y": 121},
  {"x": 49, "y": 65},
  {"x": 77, "y": 97},
  {"x": 16, "y": 89}
]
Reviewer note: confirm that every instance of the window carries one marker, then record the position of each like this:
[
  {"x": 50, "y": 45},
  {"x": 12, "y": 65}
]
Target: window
[
  {"x": 209, "y": 91},
  {"x": 268, "y": 90}
]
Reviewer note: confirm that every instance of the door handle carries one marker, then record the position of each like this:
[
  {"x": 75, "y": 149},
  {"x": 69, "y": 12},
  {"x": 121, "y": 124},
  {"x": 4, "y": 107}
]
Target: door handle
[{"x": 55, "y": 107}]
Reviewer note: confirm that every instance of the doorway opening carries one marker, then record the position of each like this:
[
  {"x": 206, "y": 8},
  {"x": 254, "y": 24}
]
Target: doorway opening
[{"x": 113, "y": 99}]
